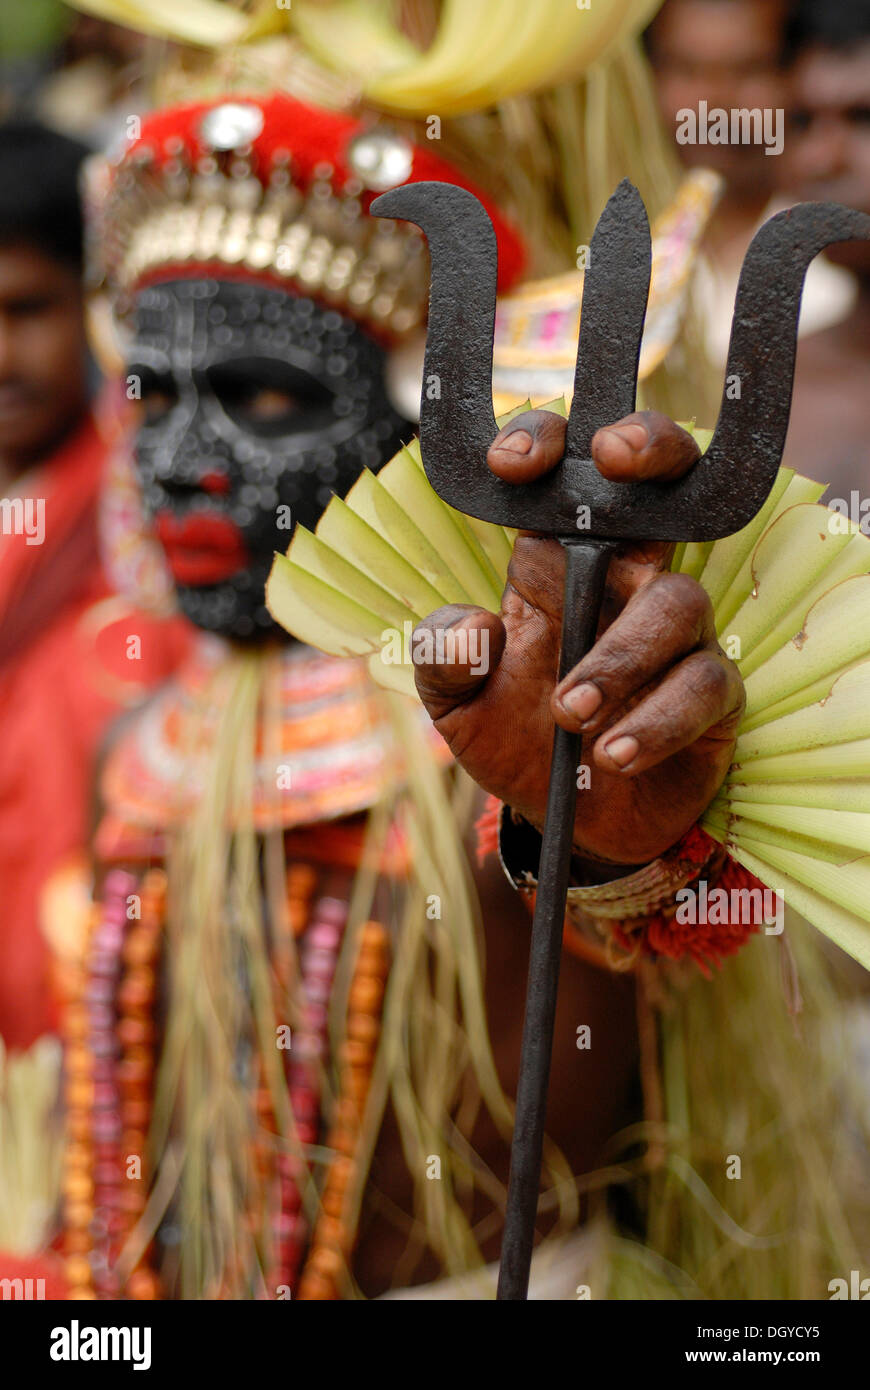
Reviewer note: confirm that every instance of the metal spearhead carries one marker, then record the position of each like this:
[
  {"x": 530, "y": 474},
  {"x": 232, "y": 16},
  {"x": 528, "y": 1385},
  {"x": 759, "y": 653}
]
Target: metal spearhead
[{"x": 719, "y": 496}]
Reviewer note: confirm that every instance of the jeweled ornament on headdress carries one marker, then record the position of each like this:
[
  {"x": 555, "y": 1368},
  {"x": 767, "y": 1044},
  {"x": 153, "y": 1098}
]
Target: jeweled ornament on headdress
[
  {"x": 381, "y": 159},
  {"x": 231, "y": 125}
]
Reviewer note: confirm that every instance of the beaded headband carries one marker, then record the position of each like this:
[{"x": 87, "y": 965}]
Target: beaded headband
[{"x": 276, "y": 191}]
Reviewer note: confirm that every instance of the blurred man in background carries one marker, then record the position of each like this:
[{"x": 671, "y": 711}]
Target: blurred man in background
[
  {"x": 828, "y": 158},
  {"x": 54, "y": 701},
  {"x": 726, "y": 53},
  {"x": 714, "y": 56},
  {"x": 50, "y": 461}
]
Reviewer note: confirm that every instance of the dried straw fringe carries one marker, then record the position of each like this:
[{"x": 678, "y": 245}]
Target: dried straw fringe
[
  {"x": 743, "y": 1078},
  {"x": 737, "y": 1077},
  {"x": 434, "y": 1065}
]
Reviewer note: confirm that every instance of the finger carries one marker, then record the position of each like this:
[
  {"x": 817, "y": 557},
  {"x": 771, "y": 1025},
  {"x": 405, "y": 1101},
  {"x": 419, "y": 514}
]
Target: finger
[
  {"x": 701, "y": 698},
  {"x": 453, "y": 651},
  {"x": 536, "y": 573},
  {"x": 644, "y": 446},
  {"x": 662, "y": 622},
  {"x": 528, "y": 446},
  {"x": 636, "y": 563}
]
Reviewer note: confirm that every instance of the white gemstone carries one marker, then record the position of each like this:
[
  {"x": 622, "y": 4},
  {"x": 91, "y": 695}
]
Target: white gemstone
[
  {"x": 381, "y": 159},
  {"x": 232, "y": 125}
]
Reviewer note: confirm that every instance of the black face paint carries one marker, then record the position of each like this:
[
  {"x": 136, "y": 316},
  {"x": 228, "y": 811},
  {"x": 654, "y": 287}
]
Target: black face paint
[{"x": 257, "y": 406}]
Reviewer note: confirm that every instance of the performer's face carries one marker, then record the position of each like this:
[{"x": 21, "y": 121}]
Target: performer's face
[{"x": 257, "y": 405}]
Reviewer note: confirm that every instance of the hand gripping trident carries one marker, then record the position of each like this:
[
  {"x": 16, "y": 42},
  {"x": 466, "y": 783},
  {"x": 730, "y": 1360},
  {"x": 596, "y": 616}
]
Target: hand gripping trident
[{"x": 718, "y": 496}]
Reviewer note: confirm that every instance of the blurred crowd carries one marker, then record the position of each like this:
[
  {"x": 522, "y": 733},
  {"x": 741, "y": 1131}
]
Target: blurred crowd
[
  {"x": 67, "y": 84},
  {"x": 809, "y": 60}
]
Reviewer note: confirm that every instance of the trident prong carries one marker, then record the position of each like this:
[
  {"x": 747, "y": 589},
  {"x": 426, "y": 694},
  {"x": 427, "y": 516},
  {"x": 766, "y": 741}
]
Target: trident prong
[{"x": 729, "y": 484}]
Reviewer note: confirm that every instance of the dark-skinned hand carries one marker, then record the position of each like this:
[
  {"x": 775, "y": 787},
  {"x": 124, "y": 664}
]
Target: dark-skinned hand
[{"x": 656, "y": 699}]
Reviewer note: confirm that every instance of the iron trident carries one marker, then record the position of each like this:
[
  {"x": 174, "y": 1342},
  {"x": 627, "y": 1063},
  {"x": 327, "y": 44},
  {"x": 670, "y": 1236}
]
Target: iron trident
[{"x": 720, "y": 495}]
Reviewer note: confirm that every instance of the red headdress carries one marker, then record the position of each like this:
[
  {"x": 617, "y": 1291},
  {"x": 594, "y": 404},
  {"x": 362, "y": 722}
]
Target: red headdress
[{"x": 272, "y": 190}]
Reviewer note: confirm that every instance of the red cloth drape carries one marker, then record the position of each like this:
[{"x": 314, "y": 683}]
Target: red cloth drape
[{"x": 57, "y": 697}]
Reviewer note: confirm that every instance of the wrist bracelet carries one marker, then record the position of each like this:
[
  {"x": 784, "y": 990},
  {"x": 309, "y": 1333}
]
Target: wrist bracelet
[
  {"x": 637, "y": 894},
  {"x": 616, "y": 923}
]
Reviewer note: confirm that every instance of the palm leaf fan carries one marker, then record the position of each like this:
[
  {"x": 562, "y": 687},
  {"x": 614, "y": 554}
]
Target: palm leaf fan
[{"x": 791, "y": 596}]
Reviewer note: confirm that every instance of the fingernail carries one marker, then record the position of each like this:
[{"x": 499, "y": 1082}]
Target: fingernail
[
  {"x": 582, "y": 700},
  {"x": 635, "y": 436},
  {"x": 622, "y": 750},
  {"x": 518, "y": 442}
]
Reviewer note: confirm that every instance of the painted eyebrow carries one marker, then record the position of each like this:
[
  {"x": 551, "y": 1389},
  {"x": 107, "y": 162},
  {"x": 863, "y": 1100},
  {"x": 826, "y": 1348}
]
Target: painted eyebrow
[
  {"x": 270, "y": 372},
  {"x": 288, "y": 359}
]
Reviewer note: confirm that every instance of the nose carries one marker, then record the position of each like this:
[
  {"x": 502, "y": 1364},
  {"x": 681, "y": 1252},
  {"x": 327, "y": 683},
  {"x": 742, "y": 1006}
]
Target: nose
[
  {"x": 197, "y": 461},
  {"x": 216, "y": 483},
  {"x": 7, "y": 346},
  {"x": 213, "y": 483}
]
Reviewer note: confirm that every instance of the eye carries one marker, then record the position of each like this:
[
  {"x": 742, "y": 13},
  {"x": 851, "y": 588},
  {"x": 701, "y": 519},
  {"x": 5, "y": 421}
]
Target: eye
[
  {"x": 157, "y": 394},
  {"x": 155, "y": 405},
  {"x": 677, "y": 66},
  {"x": 31, "y": 306},
  {"x": 257, "y": 404},
  {"x": 270, "y": 397}
]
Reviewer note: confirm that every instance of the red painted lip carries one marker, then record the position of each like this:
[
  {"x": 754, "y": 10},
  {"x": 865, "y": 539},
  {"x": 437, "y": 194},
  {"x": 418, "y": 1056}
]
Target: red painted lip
[{"x": 201, "y": 549}]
